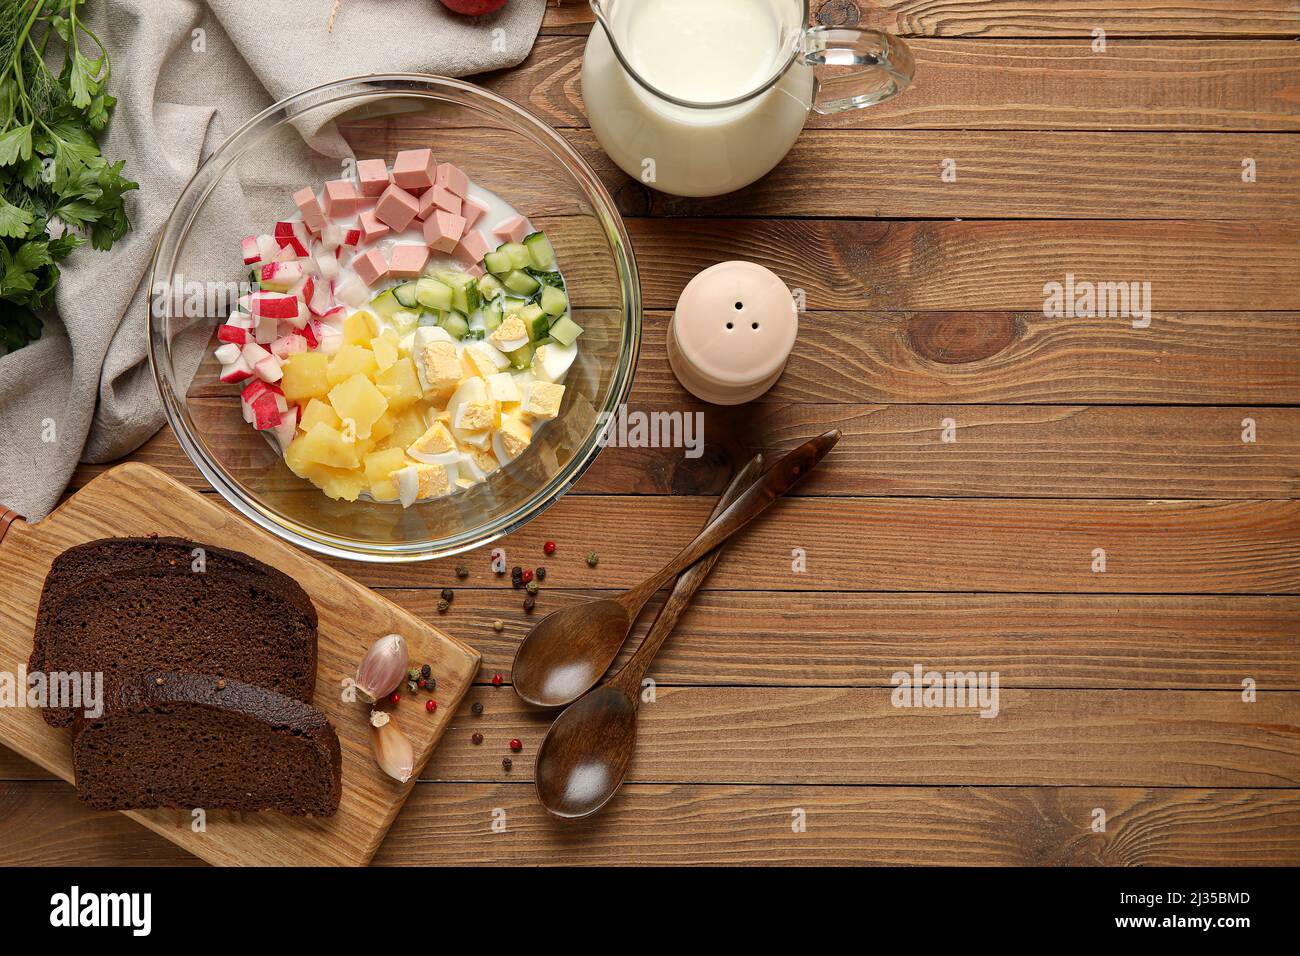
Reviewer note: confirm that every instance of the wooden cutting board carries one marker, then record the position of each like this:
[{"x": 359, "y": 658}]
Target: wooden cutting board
[{"x": 134, "y": 500}]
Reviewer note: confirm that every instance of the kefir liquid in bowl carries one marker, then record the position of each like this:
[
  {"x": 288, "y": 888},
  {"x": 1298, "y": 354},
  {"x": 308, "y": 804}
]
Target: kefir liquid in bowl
[{"x": 699, "y": 51}]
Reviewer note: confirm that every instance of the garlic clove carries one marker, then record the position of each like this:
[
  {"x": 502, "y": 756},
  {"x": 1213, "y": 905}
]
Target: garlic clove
[
  {"x": 392, "y": 750},
  {"x": 382, "y": 669}
]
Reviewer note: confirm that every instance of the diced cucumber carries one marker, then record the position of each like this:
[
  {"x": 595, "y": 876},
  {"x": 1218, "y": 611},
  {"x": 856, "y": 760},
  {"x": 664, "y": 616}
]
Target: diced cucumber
[
  {"x": 521, "y": 283},
  {"x": 432, "y": 294},
  {"x": 492, "y": 314},
  {"x": 565, "y": 331},
  {"x": 455, "y": 324},
  {"x": 518, "y": 253},
  {"x": 553, "y": 301},
  {"x": 385, "y": 305},
  {"x": 536, "y": 321},
  {"x": 489, "y": 287},
  {"x": 522, "y": 357},
  {"x": 546, "y": 278},
  {"x": 540, "y": 250},
  {"x": 464, "y": 290},
  {"x": 405, "y": 294},
  {"x": 498, "y": 263}
]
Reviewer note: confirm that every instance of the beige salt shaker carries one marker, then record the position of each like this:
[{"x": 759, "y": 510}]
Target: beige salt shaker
[{"x": 732, "y": 332}]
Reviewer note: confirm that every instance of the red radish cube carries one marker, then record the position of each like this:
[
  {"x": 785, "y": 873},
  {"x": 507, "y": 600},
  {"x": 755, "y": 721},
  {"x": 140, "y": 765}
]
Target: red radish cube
[
  {"x": 267, "y": 330},
  {"x": 251, "y": 252},
  {"x": 512, "y": 230},
  {"x": 276, "y": 305},
  {"x": 443, "y": 230},
  {"x": 254, "y": 353},
  {"x": 371, "y": 229},
  {"x": 268, "y": 370},
  {"x": 265, "y": 413},
  {"x": 407, "y": 259},
  {"x": 307, "y": 203},
  {"x": 327, "y": 264},
  {"x": 452, "y": 178},
  {"x": 331, "y": 237},
  {"x": 293, "y": 235},
  {"x": 352, "y": 237},
  {"x": 396, "y": 208},
  {"x": 285, "y": 432},
  {"x": 370, "y": 266},
  {"x": 331, "y": 339},
  {"x": 287, "y": 345},
  {"x": 353, "y": 292},
  {"x": 232, "y": 334},
  {"x": 372, "y": 174},
  {"x": 267, "y": 248},
  {"x": 236, "y": 371},
  {"x": 473, "y": 211},
  {"x": 281, "y": 276},
  {"x": 473, "y": 246},
  {"x": 228, "y": 353},
  {"x": 335, "y": 316},
  {"x": 415, "y": 169},
  {"x": 321, "y": 300},
  {"x": 341, "y": 199}
]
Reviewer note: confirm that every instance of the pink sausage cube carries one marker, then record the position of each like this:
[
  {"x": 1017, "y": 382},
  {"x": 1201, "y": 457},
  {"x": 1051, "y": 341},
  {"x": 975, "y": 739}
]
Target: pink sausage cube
[
  {"x": 473, "y": 211},
  {"x": 512, "y": 230},
  {"x": 372, "y": 174},
  {"x": 341, "y": 199},
  {"x": 439, "y": 198},
  {"x": 370, "y": 266},
  {"x": 473, "y": 246},
  {"x": 415, "y": 169},
  {"x": 443, "y": 230},
  {"x": 451, "y": 178},
  {"x": 371, "y": 227},
  {"x": 309, "y": 206},
  {"x": 396, "y": 208},
  {"x": 407, "y": 259}
]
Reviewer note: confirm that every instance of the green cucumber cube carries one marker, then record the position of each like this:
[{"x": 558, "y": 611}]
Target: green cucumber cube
[
  {"x": 539, "y": 250},
  {"x": 553, "y": 301},
  {"x": 521, "y": 283},
  {"x": 455, "y": 324},
  {"x": 518, "y": 253},
  {"x": 433, "y": 294},
  {"x": 498, "y": 263},
  {"x": 522, "y": 357},
  {"x": 489, "y": 287},
  {"x": 385, "y": 305},
  {"x": 565, "y": 331}
]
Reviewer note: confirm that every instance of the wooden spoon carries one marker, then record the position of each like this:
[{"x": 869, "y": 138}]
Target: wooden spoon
[
  {"x": 567, "y": 651},
  {"x": 585, "y": 754}
]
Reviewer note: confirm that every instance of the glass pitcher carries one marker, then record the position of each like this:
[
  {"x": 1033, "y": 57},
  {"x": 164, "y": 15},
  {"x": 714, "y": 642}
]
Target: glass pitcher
[{"x": 700, "y": 97}]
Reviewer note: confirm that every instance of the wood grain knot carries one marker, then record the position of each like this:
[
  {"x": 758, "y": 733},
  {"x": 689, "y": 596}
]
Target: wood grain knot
[
  {"x": 838, "y": 13},
  {"x": 954, "y": 338}
]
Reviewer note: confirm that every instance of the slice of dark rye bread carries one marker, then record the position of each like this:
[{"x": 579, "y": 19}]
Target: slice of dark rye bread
[
  {"x": 195, "y": 740},
  {"x": 124, "y": 606}
]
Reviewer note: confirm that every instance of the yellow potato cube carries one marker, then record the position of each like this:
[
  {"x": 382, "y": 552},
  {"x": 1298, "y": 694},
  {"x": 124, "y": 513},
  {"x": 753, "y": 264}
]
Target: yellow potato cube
[
  {"x": 359, "y": 328},
  {"x": 359, "y": 402},
  {"x": 317, "y": 411},
  {"x": 442, "y": 370},
  {"x": 340, "y": 483},
  {"x": 385, "y": 350},
  {"x": 383, "y": 426},
  {"x": 304, "y": 376},
  {"x": 384, "y": 490},
  {"x": 408, "y": 425},
  {"x": 435, "y": 441},
  {"x": 400, "y": 384},
  {"x": 380, "y": 465},
  {"x": 544, "y": 399},
  {"x": 351, "y": 360},
  {"x": 515, "y": 435},
  {"x": 324, "y": 446}
]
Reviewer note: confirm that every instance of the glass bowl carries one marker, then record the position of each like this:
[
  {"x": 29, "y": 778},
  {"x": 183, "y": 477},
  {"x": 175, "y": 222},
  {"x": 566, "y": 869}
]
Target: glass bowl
[{"x": 246, "y": 186}]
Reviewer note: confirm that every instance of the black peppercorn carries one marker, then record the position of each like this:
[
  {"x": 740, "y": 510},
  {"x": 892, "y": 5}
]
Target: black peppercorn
[
  {"x": 506, "y": 763},
  {"x": 425, "y": 671},
  {"x": 443, "y": 605},
  {"x": 476, "y": 739},
  {"x": 476, "y": 708},
  {"x": 448, "y": 594},
  {"x": 541, "y": 574},
  {"x": 530, "y": 602},
  {"x": 462, "y": 572}
]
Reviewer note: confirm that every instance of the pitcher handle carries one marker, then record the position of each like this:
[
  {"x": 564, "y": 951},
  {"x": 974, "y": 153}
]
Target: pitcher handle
[{"x": 884, "y": 67}]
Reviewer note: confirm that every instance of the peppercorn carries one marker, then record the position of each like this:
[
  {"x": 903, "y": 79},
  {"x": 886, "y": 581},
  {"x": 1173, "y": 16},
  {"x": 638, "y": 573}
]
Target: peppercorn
[
  {"x": 532, "y": 587},
  {"x": 425, "y": 671},
  {"x": 476, "y": 739},
  {"x": 592, "y": 559},
  {"x": 498, "y": 625},
  {"x": 413, "y": 674},
  {"x": 411, "y": 686},
  {"x": 476, "y": 708},
  {"x": 462, "y": 572},
  {"x": 506, "y": 763},
  {"x": 431, "y": 705},
  {"x": 431, "y": 683},
  {"x": 497, "y": 680},
  {"x": 448, "y": 594},
  {"x": 516, "y": 745},
  {"x": 527, "y": 575},
  {"x": 516, "y": 571},
  {"x": 541, "y": 574},
  {"x": 443, "y": 605},
  {"x": 530, "y": 602},
  {"x": 548, "y": 548},
  {"x": 396, "y": 698},
  {"x": 421, "y": 683}
]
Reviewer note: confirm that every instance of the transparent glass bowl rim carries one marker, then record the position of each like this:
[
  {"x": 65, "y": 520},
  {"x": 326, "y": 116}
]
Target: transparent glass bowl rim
[{"x": 362, "y": 88}]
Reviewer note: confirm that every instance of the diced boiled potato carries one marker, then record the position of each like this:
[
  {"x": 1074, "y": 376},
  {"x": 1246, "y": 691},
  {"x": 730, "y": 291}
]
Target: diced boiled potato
[
  {"x": 359, "y": 328},
  {"x": 358, "y": 401},
  {"x": 339, "y": 483},
  {"x": 380, "y": 465},
  {"x": 385, "y": 349},
  {"x": 324, "y": 446},
  {"x": 383, "y": 426},
  {"x": 304, "y": 376},
  {"x": 408, "y": 426},
  {"x": 400, "y": 384},
  {"x": 351, "y": 360},
  {"x": 317, "y": 411}
]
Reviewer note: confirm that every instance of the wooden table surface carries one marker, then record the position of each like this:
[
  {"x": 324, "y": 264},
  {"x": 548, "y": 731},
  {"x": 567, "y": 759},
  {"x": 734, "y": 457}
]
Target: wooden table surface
[{"x": 1121, "y": 690}]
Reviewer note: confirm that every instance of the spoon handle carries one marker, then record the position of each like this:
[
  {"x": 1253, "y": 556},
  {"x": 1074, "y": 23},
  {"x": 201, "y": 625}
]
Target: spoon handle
[
  {"x": 776, "y": 481},
  {"x": 629, "y": 676}
]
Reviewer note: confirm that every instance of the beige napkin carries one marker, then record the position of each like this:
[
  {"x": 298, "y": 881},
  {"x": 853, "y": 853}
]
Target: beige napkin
[{"x": 186, "y": 74}]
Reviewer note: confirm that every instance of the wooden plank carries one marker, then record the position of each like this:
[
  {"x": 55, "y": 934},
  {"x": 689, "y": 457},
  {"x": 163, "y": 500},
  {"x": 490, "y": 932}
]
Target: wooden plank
[
  {"x": 1018, "y": 18},
  {"x": 857, "y": 736},
  {"x": 1017, "y": 85},
  {"x": 744, "y": 825},
  {"x": 888, "y": 450},
  {"x": 917, "y": 544},
  {"x": 807, "y": 639}
]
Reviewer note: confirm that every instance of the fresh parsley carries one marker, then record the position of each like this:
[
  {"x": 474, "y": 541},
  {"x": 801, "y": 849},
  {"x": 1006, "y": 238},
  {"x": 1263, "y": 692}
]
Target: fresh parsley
[{"x": 56, "y": 189}]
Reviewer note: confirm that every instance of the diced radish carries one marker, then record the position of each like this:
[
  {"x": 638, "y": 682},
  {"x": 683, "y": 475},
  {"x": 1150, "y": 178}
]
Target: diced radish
[
  {"x": 240, "y": 320},
  {"x": 306, "y": 290},
  {"x": 327, "y": 263},
  {"x": 265, "y": 413},
  {"x": 267, "y": 330},
  {"x": 277, "y": 305},
  {"x": 331, "y": 237},
  {"x": 299, "y": 318},
  {"x": 287, "y": 253},
  {"x": 353, "y": 292},
  {"x": 227, "y": 354},
  {"x": 281, "y": 276},
  {"x": 293, "y": 234},
  {"x": 331, "y": 339},
  {"x": 352, "y": 237},
  {"x": 251, "y": 251},
  {"x": 321, "y": 300},
  {"x": 335, "y": 316},
  {"x": 254, "y": 353},
  {"x": 237, "y": 371},
  {"x": 232, "y": 333},
  {"x": 309, "y": 334},
  {"x": 268, "y": 370},
  {"x": 284, "y": 432},
  {"x": 287, "y": 345}
]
